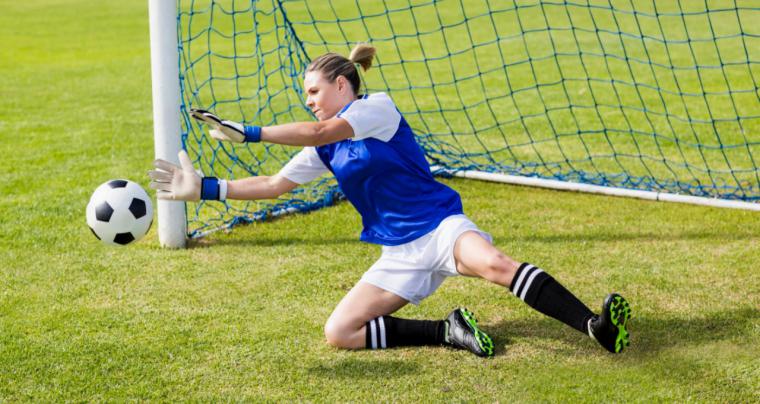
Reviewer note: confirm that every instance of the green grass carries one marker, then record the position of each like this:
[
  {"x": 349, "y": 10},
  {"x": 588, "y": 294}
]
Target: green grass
[{"x": 239, "y": 316}]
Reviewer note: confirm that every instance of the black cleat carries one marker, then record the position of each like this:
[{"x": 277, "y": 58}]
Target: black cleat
[
  {"x": 462, "y": 332},
  {"x": 610, "y": 329}
]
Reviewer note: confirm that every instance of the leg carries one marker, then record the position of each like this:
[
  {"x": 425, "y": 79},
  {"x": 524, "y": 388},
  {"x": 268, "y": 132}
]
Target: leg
[
  {"x": 346, "y": 327},
  {"x": 369, "y": 306},
  {"x": 475, "y": 256}
]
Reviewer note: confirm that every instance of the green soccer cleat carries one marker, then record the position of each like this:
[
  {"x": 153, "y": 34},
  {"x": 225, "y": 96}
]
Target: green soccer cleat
[
  {"x": 610, "y": 329},
  {"x": 462, "y": 332}
]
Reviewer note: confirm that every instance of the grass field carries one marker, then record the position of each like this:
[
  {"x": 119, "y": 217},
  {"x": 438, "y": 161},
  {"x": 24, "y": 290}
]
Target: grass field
[{"x": 239, "y": 316}]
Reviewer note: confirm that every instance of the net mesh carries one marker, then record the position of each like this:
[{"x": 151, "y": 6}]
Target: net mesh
[{"x": 659, "y": 96}]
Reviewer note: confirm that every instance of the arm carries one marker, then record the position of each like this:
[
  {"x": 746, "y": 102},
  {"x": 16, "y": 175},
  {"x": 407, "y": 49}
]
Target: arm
[
  {"x": 182, "y": 183},
  {"x": 308, "y": 133},
  {"x": 294, "y": 134},
  {"x": 264, "y": 187}
]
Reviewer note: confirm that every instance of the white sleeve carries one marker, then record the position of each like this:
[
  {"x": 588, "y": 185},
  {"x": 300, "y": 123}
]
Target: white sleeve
[
  {"x": 375, "y": 116},
  {"x": 304, "y": 166}
]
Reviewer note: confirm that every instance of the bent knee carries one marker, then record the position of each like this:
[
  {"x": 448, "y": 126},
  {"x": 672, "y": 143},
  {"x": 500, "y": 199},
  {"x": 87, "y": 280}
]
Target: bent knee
[{"x": 339, "y": 335}]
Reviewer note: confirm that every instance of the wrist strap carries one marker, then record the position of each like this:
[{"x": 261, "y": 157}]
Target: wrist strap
[
  {"x": 253, "y": 134},
  {"x": 210, "y": 189}
]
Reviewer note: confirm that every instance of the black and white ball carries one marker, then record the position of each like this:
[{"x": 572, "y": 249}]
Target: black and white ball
[{"x": 119, "y": 212}]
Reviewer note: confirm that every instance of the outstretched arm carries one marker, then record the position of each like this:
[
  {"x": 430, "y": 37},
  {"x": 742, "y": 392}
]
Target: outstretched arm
[
  {"x": 182, "y": 183},
  {"x": 293, "y": 134},
  {"x": 308, "y": 133},
  {"x": 264, "y": 187}
]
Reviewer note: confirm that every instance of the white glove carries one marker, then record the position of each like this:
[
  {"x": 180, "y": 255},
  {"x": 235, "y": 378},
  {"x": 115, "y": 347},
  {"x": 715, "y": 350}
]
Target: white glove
[
  {"x": 176, "y": 183},
  {"x": 226, "y": 131}
]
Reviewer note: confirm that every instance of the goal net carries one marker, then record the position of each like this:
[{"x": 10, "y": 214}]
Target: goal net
[{"x": 644, "y": 95}]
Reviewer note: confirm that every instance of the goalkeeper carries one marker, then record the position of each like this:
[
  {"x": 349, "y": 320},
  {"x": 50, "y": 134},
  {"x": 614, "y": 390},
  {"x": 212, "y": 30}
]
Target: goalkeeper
[{"x": 368, "y": 146}]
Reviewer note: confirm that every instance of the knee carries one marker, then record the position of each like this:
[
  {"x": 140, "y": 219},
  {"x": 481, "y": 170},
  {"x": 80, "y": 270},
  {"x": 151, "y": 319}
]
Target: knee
[{"x": 336, "y": 334}]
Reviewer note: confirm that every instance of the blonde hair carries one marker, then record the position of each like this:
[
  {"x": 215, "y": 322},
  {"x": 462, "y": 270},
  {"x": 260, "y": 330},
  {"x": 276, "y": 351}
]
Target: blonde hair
[
  {"x": 332, "y": 65},
  {"x": 362, "y": 54}
]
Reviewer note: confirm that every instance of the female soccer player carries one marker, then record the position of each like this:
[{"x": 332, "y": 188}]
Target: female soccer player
[{"x": 425, "y": 236}]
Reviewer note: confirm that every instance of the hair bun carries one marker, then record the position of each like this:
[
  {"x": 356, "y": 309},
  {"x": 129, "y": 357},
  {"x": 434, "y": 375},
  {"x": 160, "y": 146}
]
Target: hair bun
[{"x": 363, "y": 54}]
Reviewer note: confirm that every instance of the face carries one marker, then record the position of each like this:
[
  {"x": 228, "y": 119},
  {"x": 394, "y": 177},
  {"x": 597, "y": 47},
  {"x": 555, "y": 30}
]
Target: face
[{"x": 326, "y": 99}]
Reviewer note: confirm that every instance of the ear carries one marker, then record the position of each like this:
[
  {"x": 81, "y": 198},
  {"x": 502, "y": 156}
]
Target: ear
[{"x": 343, "y": 83}]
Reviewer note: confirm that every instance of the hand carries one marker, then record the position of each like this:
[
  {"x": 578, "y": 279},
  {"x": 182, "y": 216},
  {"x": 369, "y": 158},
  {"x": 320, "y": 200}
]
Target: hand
[
  {"x": 176, "y": 183},
  {"x": 226, "y": 131}
]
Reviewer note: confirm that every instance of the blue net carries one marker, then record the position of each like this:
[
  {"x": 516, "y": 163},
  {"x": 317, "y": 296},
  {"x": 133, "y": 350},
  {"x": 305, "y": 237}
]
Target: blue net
[{"x": 659, "y": 96}]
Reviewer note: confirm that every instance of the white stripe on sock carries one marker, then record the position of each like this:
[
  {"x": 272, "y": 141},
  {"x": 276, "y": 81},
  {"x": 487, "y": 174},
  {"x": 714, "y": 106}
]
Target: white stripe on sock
[
  {"x": 529, "y": 282},
  {"x": 372, "y": 333},
  {"x": 522, "y": 276},
  {"x": 588, "y": 327},
  {"x": 382, "y": 332}
]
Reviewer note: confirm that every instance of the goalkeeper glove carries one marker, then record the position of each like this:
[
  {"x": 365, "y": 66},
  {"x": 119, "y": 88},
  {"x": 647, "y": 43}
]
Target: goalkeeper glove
[
  {"x": 227, "y": 131},
  {"x": 182, "y": 183}
]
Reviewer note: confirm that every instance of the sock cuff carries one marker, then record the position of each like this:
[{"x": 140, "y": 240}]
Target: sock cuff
[
  {"x": 519, "y": 272},
  {"x": 528, "y": 281},
  {"x": 376, "y": 336}
]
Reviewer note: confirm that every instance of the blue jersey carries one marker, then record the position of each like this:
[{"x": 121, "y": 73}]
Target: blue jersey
[{"x": 384, "y": 174}]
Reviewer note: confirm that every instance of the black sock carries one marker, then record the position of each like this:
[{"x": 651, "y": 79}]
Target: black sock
[
  {"x": 388, "y": 332},
  {"x": 540, "y": 291}
]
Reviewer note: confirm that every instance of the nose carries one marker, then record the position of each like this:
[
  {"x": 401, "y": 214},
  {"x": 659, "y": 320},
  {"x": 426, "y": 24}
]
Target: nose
[{"x": 309, "y": 102}]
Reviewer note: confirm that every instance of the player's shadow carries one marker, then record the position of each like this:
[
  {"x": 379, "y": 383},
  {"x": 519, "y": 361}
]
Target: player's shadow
[
  {"x": 354, "y": 367},
  {"x": 649, "y": 335}
]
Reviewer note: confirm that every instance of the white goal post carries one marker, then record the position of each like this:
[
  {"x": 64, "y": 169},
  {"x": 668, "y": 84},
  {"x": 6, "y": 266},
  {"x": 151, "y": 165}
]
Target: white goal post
[
  {"x": 600, "y": 190},
  {"x": 172, "y": 222}
]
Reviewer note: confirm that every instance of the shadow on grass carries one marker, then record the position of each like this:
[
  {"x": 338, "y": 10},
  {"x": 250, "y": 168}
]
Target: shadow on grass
[
  {"x": 353, "y": 368},
  {"x": 254, "y": 241},
  {"x": 708, "y": 357},
  {"x": 273, "y": 242},
  {"x": 649, "y": 335}
]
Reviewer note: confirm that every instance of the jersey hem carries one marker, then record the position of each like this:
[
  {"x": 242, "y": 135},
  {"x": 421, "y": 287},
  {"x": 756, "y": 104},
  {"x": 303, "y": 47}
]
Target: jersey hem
[{"x": 410, "y": 238}]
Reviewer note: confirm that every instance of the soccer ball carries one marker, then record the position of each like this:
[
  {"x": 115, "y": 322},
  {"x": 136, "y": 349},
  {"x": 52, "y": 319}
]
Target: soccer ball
[{"x": 119, "y": 212}]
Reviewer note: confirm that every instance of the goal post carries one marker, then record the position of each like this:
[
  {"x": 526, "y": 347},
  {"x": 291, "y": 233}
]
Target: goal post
[
  {"x": 597, "y": 189},
  {"x": 654, "y": 100},
  {"x": 172, "y": 221}
]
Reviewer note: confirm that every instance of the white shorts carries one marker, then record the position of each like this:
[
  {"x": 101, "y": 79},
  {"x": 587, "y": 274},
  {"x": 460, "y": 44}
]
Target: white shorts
[{"x": 416, "y": 269}]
